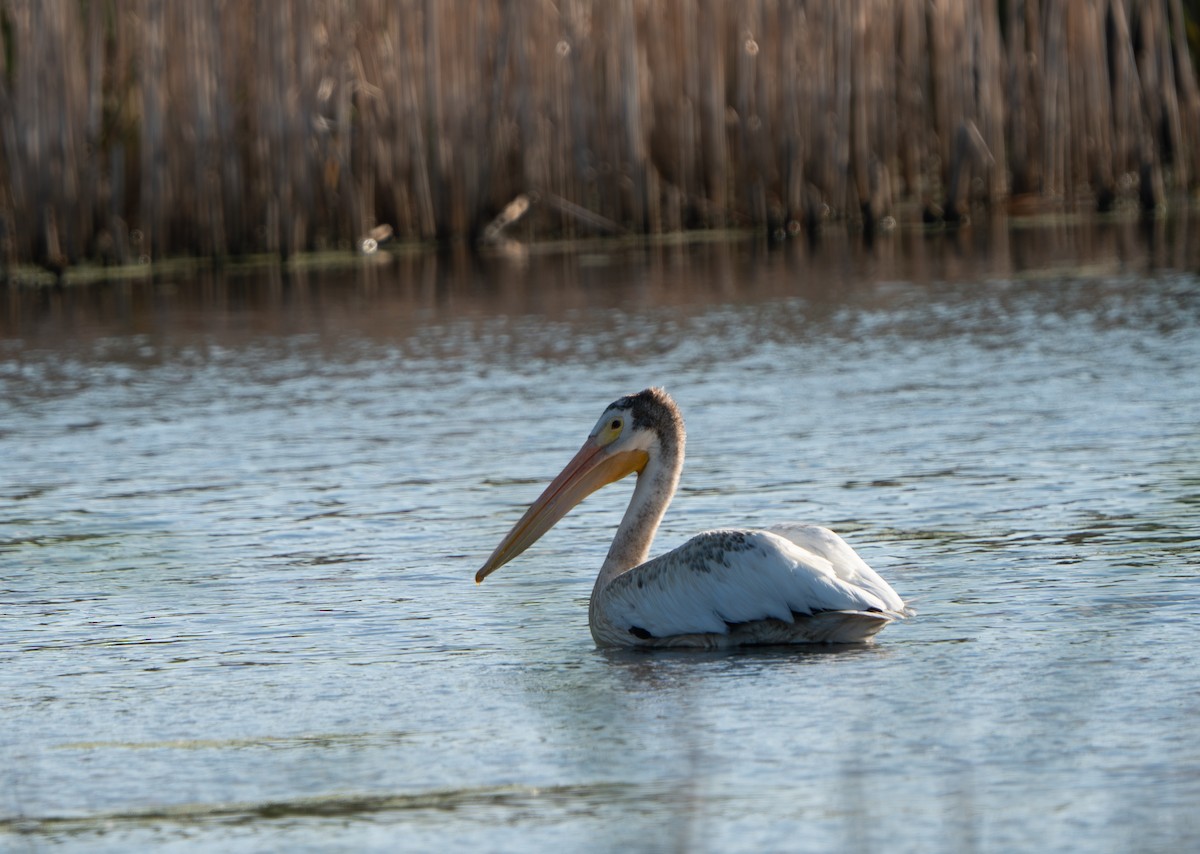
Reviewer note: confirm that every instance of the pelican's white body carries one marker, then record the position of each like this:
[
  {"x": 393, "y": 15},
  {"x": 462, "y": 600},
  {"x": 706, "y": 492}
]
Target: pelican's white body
[{"x": 792, "y": 584}]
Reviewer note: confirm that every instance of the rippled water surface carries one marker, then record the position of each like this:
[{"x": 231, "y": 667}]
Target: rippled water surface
[{"x": 240, "y": 516}]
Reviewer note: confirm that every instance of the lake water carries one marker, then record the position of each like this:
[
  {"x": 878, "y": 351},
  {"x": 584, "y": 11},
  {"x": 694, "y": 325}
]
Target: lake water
[{"x": 240, "y": 517}]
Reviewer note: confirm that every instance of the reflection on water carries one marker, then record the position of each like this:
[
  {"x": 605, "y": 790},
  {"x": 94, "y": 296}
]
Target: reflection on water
[
  {"x": 409, "y": 299},
  {"x": 240, "y": 515}
]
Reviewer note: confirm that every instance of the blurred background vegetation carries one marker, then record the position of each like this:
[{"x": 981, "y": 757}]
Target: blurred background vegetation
[{"x": 142, "y": 129}]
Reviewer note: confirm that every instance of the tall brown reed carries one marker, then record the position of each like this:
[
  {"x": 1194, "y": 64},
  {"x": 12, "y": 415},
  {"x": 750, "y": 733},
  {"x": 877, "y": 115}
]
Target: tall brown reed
[{"x": 147, "y": 128}]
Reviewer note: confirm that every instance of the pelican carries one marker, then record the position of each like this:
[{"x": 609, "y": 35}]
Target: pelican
[{"x": 724, "y": 588}]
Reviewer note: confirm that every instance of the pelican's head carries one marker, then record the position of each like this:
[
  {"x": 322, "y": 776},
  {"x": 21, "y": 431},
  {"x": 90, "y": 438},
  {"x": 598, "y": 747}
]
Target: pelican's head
[{"x": 628, "y": 433}]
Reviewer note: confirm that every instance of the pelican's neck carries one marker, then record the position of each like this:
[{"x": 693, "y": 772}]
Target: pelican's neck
[{"x": 656, "y": 484}]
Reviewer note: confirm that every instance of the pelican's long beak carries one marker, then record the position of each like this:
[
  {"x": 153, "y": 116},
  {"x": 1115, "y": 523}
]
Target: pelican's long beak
[{"x": 593, "y": 467}]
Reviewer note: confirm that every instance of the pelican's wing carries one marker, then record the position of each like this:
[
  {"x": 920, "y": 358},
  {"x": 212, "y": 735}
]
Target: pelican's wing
[
  {"x": 723, "y": 578},
  {"x": 844, "y": 560}
]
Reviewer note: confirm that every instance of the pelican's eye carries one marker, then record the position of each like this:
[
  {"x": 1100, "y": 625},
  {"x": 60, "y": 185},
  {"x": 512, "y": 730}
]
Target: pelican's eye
[{"x": 608, "y": 428}]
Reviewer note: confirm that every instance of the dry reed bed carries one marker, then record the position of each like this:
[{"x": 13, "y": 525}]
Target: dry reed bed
[{"x": 146, "y": 128}]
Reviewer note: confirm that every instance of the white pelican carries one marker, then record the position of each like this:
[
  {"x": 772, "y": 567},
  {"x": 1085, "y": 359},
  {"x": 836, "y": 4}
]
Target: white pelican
[{"x": 725, "y": 588}]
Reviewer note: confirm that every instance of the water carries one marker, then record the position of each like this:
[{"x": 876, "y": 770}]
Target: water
[{"x": 240, "y": 516}]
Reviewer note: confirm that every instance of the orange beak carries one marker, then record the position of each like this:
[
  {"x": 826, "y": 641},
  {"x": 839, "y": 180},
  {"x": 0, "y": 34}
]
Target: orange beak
[{"x": 593, "y": 467}]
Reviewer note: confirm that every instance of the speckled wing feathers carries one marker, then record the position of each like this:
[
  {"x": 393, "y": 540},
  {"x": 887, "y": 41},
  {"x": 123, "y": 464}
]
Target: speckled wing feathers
[{"x": 721, "y": 579}]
